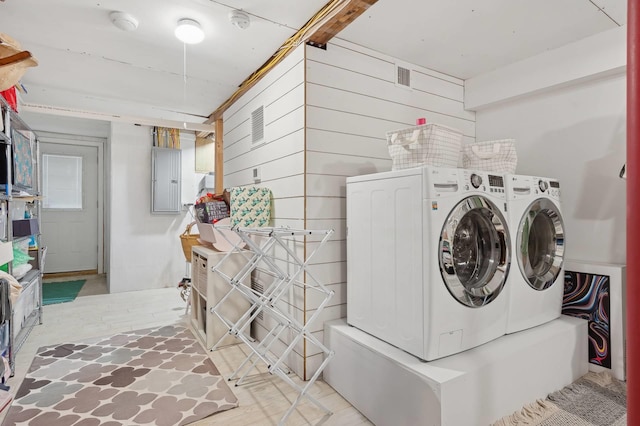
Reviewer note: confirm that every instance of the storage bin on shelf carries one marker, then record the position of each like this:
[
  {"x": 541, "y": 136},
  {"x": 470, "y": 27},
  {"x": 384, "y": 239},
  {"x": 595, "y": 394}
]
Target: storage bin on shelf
[
  {"x": 428, "y": 144},
  {"x": 209, "y": 288},
  {"x": 26, "y": 305}
]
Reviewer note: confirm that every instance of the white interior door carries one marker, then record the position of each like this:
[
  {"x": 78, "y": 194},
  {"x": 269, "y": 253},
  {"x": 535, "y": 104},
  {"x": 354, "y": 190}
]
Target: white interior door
[{"x": 69, "y": 218}]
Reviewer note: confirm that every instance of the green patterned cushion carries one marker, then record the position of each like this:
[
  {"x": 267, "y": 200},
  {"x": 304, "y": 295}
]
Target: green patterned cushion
[{"x": 250, "y": 206}]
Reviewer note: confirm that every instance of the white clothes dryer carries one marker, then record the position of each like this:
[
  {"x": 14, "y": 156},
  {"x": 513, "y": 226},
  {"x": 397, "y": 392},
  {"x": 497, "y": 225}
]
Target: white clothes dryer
[
  {"x": 428, "y": 255},
  {"x": 536, "y": 284}
]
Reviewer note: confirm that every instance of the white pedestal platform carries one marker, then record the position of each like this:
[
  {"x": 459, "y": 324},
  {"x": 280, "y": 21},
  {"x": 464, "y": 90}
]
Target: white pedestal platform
[{"x": 476, "y": 387}]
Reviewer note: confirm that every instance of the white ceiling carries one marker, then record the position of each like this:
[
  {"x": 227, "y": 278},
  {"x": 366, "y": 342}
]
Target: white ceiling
[
  {"x": 465, "y": 38},
  {"x": 87, "y": 63},
  {"x": 81, "y": 52}
]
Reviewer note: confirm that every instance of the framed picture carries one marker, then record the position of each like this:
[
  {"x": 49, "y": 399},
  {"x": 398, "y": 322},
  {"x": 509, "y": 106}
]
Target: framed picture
[
  {"x": 597, "y": 292},
  {"x": 22, "y": 147}
]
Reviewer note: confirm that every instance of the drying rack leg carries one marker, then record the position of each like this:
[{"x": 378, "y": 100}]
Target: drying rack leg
[
  {"x": 303, "y": 391},
  {"x": 266, "y": 348}
]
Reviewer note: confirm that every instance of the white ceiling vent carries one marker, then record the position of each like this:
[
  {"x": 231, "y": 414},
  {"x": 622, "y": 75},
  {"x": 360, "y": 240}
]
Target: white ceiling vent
[
  {"x": 257, "y": 125},
  {"x": 403, "y": 76}
]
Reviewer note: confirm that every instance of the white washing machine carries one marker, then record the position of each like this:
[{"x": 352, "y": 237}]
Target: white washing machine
[
  {"x": 536, "y": 284},
  {"x": 428, "y": 255}
]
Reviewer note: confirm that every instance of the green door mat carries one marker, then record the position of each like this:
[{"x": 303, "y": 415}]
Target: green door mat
[{"x": 60, "y": 292}]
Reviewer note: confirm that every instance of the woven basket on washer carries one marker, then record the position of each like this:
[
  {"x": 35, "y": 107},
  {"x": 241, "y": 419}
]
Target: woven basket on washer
[
  {"x": 428, "y": 144},
  {"x": 493, "y": 156}
]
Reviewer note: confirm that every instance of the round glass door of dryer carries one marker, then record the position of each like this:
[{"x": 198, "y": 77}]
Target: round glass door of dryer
[
  {"x": 475, "y": 251},
  {"x": 540, "y": 244}
]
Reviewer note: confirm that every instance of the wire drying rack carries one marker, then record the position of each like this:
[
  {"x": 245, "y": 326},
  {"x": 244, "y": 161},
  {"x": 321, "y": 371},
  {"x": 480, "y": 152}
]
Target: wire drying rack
[{"x": 266, "y": 245}]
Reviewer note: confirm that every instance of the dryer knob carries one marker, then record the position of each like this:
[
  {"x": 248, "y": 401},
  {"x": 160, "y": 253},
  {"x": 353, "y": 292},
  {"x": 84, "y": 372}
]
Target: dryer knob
[
  {"x": 543, "y": 185},
  {"x": 476, "y": 180}
]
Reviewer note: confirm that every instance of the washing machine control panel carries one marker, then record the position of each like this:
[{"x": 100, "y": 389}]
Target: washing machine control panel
[
  {"x": 543, "y": 185},
  {"x": 484, "y": 182},
  {"x": 476, "y": 180}
]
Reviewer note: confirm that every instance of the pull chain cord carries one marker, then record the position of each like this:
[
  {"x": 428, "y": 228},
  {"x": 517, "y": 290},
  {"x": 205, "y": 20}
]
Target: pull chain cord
[{"x": 184, "y": 79}]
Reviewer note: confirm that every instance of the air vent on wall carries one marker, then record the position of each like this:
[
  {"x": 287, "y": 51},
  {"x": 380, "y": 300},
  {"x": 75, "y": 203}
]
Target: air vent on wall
[
  {"x": 257, "y": 125},
  {"x": 403, "y": 76},
  {"x": 258, "y": 288}
]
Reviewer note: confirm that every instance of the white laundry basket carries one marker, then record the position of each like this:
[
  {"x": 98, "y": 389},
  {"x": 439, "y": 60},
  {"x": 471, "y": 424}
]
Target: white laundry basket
[
  {"x": 493, "y": 156},
  {"x": 428, "y": 144}
]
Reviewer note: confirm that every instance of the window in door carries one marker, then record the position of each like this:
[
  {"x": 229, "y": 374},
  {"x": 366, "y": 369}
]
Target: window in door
[{"x": 62, "y": 182}]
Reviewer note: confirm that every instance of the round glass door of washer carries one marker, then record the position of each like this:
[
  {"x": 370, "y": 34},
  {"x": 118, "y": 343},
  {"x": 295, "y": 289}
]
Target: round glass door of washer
[
  {"x": 475, "y": 251},
  {"x": 540, "y": 244}
]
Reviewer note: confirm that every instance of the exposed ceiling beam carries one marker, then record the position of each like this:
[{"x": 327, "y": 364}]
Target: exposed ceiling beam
[
  {"x": 339, "y": 22},
  {"x": 324, "y": 25},
  {"x": 206, "y": 128}
]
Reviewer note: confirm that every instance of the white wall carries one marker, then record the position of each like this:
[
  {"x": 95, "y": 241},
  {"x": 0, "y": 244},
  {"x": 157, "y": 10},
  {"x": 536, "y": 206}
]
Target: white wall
[
  {"x": 602, "y": 54},
  {"x": 352, "y": 101},
  {"x": 281, "y": 159},
  {"x": 312, "y": 145},
  {"x": 578, "y": 135},
  {"x": 142, "y": 251},
  {"x": 145, "y": 250},
  {"x": 566, "y": 109},
  {"x": 280, "y": 156}
]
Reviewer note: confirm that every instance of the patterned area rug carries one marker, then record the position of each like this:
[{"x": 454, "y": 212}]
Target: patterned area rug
[
  {"x": 596, "y": 399},
  {"x": 160, "y": 376}
]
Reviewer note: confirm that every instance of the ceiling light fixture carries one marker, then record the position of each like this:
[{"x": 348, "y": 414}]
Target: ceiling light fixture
[{"x": 188, "y": 31}]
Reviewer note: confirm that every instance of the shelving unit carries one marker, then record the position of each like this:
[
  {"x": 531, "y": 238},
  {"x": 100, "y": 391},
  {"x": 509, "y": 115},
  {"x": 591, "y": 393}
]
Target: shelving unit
[
  {"x": 288, "y": 272},
  {"x": 207, "y": 288},
  {"x": 26, "y": 312}
]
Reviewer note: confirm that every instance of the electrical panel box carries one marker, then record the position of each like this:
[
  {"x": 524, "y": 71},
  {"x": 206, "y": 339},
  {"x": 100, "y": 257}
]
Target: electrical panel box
[{"x": 166, "y": 171}]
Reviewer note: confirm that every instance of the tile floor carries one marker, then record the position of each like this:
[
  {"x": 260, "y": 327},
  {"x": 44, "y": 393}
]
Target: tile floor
[
  {"x": 263, "y": 398},
  {"x": 95, "y": 284}
]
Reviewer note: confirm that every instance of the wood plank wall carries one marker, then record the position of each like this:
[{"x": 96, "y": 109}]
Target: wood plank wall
[
  {"x": 280, "y": 158},
  {"x": 352, "y": 101},
  {"x": 326, "y": 113}
]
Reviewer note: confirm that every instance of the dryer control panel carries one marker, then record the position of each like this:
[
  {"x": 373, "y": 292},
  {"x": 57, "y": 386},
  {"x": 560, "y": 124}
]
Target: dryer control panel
[
  {"x": 524, "y": 187},
  {"x": 486, "y": 182},
  {"x": 553, "y": 188},
  {"x": 546, "y": 186}
]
